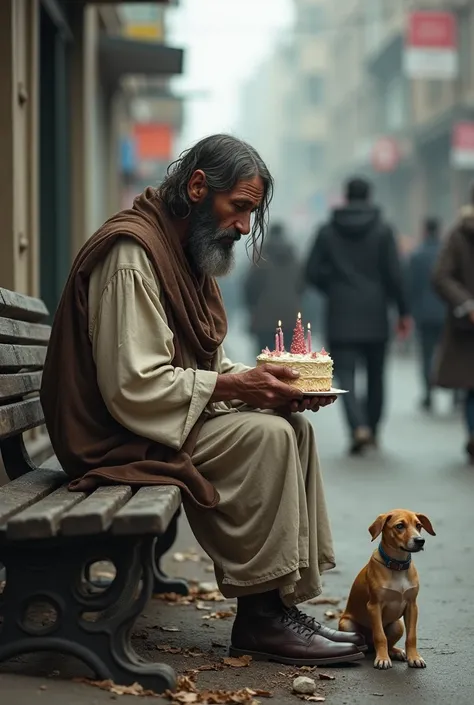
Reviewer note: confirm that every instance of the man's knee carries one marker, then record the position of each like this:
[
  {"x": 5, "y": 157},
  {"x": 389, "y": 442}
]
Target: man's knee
[
  {"x": 268, "y": 428},
  {"x": 301, "y": 426}
]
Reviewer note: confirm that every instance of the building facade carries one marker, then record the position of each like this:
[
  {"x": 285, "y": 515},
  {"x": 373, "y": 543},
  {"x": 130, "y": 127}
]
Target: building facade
[
  {"x": 395, "y": 127},
  {"x": 62, "y": 69}
]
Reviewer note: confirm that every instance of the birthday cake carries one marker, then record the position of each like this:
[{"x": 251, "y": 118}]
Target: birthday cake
[{"x": 315, "y": 368}]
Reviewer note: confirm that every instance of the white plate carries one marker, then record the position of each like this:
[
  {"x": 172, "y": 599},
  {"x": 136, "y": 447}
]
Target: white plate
[{"x": 332, "y": 393}]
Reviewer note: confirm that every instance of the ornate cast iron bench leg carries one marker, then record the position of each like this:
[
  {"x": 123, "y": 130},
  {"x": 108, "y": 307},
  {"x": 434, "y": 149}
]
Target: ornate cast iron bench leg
[
  {"x": 163, "y": 583},
  {"x": 90, "y": 625}
]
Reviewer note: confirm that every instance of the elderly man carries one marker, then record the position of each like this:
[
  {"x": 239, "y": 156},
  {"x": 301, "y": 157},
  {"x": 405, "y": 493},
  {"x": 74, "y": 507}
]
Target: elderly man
[{"x": 137, "y": 389}]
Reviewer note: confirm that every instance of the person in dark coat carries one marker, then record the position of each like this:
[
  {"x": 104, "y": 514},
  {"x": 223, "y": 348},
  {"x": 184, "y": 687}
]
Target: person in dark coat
[
  {"x": 273, "y": 288},
  {"x": 355, "y": 263},
  {"x": 428, "y": 309},
  {"x": 453, "y": 279}
]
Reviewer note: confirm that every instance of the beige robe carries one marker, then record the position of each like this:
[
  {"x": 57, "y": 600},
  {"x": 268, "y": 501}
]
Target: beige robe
[{"x": 270, "y": 529}]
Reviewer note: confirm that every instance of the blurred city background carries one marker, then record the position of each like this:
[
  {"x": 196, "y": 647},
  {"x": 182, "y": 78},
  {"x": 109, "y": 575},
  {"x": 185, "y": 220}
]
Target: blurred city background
[{"x": 101, "y": 96}]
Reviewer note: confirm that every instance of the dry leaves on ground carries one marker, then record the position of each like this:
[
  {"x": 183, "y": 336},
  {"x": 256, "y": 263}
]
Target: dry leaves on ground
[
  {"x": 196, "y": 596},
  {"x": 178, "y": 650},
  {"x": 135, "y": 689},
  {"x": 325, "y": 677},
  {"x": 222, "y": 614},
  {"x": 237, "y": 661},
  {"x": 187, "y": 692},
  {"x": 324, "y": 600}
]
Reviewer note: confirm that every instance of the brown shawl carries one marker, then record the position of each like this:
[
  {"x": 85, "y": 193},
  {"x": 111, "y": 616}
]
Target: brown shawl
[{"x": 91, "y": 445}]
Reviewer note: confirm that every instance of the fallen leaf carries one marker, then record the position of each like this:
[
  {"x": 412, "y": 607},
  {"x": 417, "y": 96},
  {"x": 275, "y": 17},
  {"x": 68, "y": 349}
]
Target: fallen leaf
[
  {"x": 185, "y": 683},
  {"x": 183, "y": 696},
  {"x": 135, "y": 689},
  {"x": 170, "y": 629},
  {"x": 194, "y": 652},
  {"x": 201, "y": 606},
  {"x": 237, "y": 661},
  {"x": 326, "y": 677},
  {"x": 312, "y": 698},
  {"x": 218, "y": 615},
  {"x": 379, "y": 695},
  {"x": 324, "y": 600},
  {"x": 169, "y": 649}
]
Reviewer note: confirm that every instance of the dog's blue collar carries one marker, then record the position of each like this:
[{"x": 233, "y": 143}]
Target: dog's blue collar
[{"x": 393, "y": 563}]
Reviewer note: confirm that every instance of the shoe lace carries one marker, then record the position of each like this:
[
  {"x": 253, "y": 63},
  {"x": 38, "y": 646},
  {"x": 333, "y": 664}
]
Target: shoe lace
[
  {"x": 296, "y": 625},
  {"x": 309, "y": 621}
]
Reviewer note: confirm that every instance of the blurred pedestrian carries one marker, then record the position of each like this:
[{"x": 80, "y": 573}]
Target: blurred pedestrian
[
  {"x": 273, "y": 287},
  {"x": 355, "y": 264},
  {"x": 428, "y": 308},
  {"x": 453, "y": 279}
]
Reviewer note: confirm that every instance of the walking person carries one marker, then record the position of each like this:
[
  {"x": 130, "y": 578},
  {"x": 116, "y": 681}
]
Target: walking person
[
  {"x": 453, "y": 279},
  {"x": 273, "y": 287},
  {"x": 428, "y": 308},
  {"x": 355, "y": 264}
]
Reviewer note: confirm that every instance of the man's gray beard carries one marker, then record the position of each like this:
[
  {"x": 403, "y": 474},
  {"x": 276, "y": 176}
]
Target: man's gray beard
[{"x": 208, "y": 256}]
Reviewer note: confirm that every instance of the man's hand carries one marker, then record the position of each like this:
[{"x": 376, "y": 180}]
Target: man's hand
[
  {"x": 267, "y": 387},
  {"x": 307, "y": 404},
  {"x": 404, "y": 326}
]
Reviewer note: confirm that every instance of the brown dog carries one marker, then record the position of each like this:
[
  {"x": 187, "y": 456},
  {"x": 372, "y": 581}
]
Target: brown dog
[{"x": 387, "y": 587}]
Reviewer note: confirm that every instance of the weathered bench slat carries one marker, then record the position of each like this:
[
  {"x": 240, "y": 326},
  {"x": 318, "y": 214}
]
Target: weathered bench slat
[
  {"x": 21, "y": 493},
  {"x": 21, "y": 307},
  {"x": 19, "y": 357},
  {"x": 149, "y": 511},
  {"x": 19, "y": 332},
  {"x": 19, "y": 384},
  {"x": 20, "y": 416},
  {"x": 42, "y": 520},
  {"x": 95, "y": 514}
]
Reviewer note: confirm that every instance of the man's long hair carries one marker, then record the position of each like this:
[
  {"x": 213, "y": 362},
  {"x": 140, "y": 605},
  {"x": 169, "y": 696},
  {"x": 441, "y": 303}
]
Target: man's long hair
[{"x": 225, "y": 160}]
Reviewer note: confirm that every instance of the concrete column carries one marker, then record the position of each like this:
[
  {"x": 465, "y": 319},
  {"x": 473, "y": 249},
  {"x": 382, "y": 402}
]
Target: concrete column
[{"x": 19, "y": 145}]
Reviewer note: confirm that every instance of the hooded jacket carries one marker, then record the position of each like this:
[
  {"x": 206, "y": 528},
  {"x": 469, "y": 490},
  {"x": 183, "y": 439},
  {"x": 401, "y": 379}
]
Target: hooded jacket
[{"x": 354, "y": 262}]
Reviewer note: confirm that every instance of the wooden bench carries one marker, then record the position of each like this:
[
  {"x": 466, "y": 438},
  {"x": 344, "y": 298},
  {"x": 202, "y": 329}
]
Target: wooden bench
[{"x": 50, "y": 537}]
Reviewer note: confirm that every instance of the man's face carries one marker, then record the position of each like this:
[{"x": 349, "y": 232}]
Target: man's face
[{"x": 217, "y": 222}]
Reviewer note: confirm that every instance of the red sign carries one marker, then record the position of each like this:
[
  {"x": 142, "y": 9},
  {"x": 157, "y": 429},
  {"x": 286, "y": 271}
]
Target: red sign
[
  {"x": 462, "y": 154},
  {"x": 385, "y": 154},
  {"x": 154, "y": 141},
  {"x": 436, "y": 30},
  {"x": 431, "y": 45}
]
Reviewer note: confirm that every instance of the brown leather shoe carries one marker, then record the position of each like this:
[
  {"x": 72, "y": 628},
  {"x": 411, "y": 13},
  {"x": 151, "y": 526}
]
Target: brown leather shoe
[
  {"x": 328, "y": 633},
  {"x": 275, "y": 635}
]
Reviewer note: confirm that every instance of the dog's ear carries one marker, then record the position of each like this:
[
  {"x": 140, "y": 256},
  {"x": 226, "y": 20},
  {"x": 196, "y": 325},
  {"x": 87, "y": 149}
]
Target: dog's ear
[
  {"x": 376, "y": 528},
  {"x": 426, "y": 523}
]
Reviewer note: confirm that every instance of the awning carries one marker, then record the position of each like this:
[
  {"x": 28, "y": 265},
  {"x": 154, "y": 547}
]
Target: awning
[{"x": 120, "y": 57}]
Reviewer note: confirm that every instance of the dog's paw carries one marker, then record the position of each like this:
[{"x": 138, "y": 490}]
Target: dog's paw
[
  {"x": 382, "y": 664},
  {"x": 416, "y": 662},
  {"x": 398, "y": 655}
]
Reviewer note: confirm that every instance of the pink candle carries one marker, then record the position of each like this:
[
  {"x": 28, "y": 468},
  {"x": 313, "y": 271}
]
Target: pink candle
[
  {"x": 309, "y": 341},
  {"x": 277, "y": 341},
  {"x": 280, "y": 333}
]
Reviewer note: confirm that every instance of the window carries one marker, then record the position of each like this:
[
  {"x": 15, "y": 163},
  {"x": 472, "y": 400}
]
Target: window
[{"x": 315, "y": 89}]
